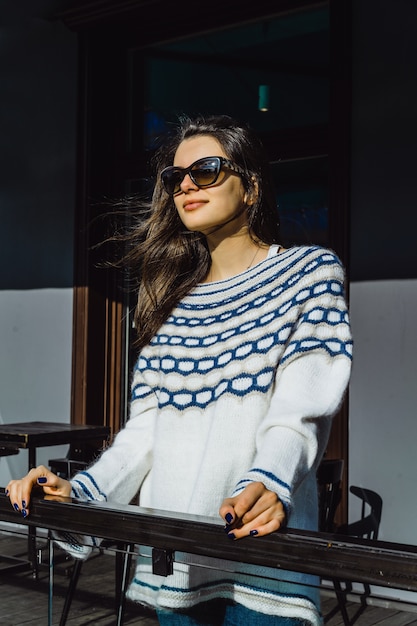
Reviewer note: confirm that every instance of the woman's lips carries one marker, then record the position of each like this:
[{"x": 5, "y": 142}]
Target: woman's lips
[{"x": 192, "y": 205}]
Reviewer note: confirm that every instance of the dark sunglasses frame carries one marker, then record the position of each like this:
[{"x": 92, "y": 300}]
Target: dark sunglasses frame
[{"x": 173, "y": 176}]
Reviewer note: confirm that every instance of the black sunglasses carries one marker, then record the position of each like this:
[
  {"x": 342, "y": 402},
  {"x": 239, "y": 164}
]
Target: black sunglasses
[{"x": 203, "y": 173}]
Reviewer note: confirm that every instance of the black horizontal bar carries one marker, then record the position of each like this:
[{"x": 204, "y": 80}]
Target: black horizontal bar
[{"x": 329, "y": 556}]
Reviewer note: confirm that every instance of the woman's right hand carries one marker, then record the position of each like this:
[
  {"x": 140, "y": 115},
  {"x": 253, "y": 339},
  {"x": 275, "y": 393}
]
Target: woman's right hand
[{"x": 19, "y": 491}]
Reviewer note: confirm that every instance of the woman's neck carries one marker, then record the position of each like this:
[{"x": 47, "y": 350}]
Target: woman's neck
[{"x": 234, "y": 255}]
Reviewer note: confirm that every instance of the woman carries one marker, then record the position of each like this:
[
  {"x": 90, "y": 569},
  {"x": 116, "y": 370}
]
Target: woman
[{"x": 244, "y": 357}]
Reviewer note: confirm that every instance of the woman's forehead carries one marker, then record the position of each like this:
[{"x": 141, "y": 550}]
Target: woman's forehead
[{"x": 194, "y": 148}]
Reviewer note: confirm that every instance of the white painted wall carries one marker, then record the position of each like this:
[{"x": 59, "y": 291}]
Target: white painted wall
[
  {"x": 383, "y": 405},
  {"x": 35, "y": 365},
  {"x": 383, "y": 401}
]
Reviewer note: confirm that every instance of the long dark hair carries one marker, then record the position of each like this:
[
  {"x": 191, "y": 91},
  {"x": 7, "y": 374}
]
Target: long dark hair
[{"x": 170, "y": 260}]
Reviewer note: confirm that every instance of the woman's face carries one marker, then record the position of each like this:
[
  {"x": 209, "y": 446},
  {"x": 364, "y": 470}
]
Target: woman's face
[{"x": 209, "y": 209}]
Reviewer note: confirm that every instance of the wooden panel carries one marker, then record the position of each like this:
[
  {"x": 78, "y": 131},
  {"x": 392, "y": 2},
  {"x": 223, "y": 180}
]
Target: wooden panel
[
  {"x": 339, "y": 192},
  {"x": 99, "y": 310}
]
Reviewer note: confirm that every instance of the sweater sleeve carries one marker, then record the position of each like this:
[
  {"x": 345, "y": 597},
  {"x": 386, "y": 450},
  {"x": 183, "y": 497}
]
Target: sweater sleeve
[
  {"x": 119, "y": 472},
  {"x": 310, "y": 383}
]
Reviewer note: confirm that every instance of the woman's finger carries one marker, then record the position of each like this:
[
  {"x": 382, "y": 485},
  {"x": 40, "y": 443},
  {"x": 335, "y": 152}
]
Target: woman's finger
[
  {"x": 257, "y": 528},
  {"x": 19, "y": 491},
  {"x": 255, "y": 511},
  {"x": 266, "y": 502},
  {"x": 233, "y": 509}
]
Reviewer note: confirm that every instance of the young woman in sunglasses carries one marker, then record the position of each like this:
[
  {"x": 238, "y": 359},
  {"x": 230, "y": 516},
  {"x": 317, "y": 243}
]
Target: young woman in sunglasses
[{"x": 244, "y": 357}]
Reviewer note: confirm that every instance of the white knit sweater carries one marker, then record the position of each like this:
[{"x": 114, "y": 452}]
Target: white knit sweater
[{"x": 238, "y": 385}]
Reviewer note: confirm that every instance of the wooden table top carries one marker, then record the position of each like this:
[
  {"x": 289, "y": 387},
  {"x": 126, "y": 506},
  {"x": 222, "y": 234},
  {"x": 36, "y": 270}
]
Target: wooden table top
[{"x": 31, "y": 434}]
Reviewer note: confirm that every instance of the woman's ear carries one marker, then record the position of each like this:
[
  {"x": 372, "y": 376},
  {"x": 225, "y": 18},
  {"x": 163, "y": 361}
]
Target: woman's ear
[{"x": 251, "y": 195}]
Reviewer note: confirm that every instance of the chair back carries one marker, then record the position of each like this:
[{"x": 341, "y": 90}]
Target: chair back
[
  {"x": 329, "y": 481},
  {"x": 367, "y": 526}
]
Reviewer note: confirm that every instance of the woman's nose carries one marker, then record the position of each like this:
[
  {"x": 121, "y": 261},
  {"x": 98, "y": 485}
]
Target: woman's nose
[{"x": 187, "y": 183}]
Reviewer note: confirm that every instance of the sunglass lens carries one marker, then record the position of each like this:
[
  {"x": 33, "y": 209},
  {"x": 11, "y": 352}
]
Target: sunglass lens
[
  {"x": 205, "y": 172},
  {"x": 172, "y": 180}
]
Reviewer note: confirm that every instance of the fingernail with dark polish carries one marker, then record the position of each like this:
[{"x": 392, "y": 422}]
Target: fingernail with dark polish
[
  {"x": 253, "y": 533},
  {"x": 231, "y": 536},
  {"x": 42, "y": 480},
  {"x": 229, "y": 518},
  {"x": 16, "y": 507},
  {"x": 24, "y": 512},
  {"x": 24, "y": 504},
  {"x": 6, "y": 493}
]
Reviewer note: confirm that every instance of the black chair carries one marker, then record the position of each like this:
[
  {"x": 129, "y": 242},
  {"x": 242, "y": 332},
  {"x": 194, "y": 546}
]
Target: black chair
[
  {"x": 14, "y": 563},
  {"x": 366, "y": 527},
  {"x": 124, "y": 552},
  {"x": 78, "y": 460},
  {"x": 329, "y": 481}
]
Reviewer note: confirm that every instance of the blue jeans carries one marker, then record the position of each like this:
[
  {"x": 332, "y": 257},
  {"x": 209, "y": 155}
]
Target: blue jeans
[{"x": 222, "y": 613}]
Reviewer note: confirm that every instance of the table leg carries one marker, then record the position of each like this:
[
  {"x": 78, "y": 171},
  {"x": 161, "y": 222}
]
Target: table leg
[
  {"x": 32, "y": 553},
  {"x": 32, "y": 457}
]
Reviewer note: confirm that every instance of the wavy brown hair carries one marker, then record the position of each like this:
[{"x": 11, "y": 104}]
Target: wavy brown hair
[{"x": 168, "y": 260}]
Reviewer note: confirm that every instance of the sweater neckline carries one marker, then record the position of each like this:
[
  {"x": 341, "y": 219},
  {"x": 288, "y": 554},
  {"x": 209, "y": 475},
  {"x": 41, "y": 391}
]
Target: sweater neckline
[{"x": 272, "y": 253}]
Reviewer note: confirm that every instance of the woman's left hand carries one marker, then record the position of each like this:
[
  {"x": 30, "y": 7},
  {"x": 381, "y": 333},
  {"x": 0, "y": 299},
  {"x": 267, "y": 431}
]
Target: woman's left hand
[{"x": 255, "y": 511}]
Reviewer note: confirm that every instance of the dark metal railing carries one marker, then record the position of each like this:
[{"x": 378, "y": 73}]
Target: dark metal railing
[{"x": 326, "y": 555}]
